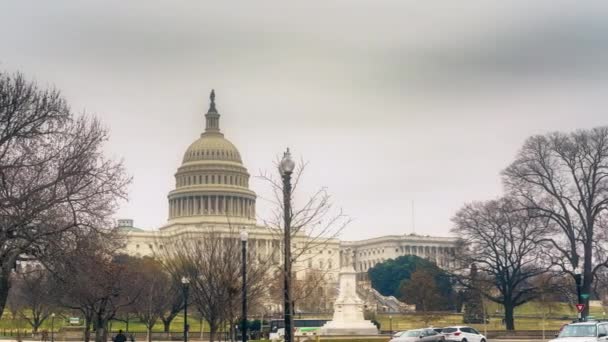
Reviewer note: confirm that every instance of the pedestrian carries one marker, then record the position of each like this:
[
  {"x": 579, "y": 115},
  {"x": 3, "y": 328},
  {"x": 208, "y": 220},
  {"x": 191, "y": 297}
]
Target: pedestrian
[
  {"x": 44, "y": 336},
  {"x": 132, "y": 337},
  {"x": 120, "y": 337}
]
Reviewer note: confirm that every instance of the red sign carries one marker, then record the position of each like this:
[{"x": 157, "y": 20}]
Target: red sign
[{"x": 580, "y": 307}]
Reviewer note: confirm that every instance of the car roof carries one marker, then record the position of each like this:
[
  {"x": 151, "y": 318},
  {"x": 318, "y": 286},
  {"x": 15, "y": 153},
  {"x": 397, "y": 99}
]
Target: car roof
[{"x": 457, "y": 326}]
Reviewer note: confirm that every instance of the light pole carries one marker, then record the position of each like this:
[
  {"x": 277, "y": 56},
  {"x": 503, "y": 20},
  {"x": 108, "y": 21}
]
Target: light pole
[
  {"x": 185, "y": 283},
  {"x": 244, "y": 237},
  {"x": 53, "y": 327},
  {"x": 578, "y": 280},
  {"x": 285, "y": 169}
]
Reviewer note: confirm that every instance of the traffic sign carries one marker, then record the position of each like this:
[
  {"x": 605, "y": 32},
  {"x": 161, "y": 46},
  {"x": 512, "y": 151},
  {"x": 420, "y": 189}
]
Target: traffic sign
[
  {"x": 580, "y": 307},
  {"x": 584, "y": 295}
]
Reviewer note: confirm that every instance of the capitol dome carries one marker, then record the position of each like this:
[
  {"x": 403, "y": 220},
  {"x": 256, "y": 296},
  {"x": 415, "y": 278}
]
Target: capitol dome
[
  {"x": 212, "y": 147},
  {"x": 212, "y": 185}
]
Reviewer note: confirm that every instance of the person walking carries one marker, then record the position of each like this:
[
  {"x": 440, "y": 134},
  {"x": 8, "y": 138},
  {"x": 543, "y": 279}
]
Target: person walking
[{"x": 120, "y": 337}]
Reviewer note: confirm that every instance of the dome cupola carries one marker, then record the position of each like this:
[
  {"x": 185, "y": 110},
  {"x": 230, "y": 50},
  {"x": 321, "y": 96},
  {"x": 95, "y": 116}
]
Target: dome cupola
[{"x": 212, "y": 185}]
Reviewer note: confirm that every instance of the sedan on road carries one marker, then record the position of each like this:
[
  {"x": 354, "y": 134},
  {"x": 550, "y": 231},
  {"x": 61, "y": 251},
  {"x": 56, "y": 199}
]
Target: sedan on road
[{"x": 419, "y": 335}]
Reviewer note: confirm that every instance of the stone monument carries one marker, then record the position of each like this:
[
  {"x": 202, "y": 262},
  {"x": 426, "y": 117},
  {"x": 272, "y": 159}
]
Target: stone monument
[{"x": 348, "y": 309}]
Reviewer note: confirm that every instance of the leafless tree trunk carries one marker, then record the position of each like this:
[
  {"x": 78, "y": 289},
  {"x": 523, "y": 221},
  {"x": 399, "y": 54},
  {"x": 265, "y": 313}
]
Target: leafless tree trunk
[
  {"x": 314, "y": 224},
  {"x": 99, "y": 284},
  {"x": 156, "y": 294},
  {"x": 563, "y": 178},
  {"x": 502, "y": 241},
  {"x": 54, "y": 180},
  {"x": 421, "y": 289},
  {"x": 211, "y": 260},
  {"x": 173, "y": 306},
  {"x": 33, "y": 296}
]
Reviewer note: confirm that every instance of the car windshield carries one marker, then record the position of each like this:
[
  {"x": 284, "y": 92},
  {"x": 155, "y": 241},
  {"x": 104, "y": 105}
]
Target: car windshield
[
  {"x": 580, "y": 330},
  {"x": 448, "y": 330},
  {"x": 399, "y": 333},
  {"x": 412, "y": 333}
]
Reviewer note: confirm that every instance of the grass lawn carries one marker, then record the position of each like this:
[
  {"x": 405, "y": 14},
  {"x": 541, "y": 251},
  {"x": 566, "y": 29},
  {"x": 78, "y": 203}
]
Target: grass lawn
[
  {"x": 7, "y": 323},
  {"x": 527, "y": 317}
]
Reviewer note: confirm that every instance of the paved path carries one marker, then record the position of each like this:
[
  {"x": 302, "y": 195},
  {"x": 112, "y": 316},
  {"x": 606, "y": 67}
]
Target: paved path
[{"x": 197, "y": 340}]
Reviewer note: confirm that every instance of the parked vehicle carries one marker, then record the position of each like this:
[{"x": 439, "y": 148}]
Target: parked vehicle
[
  {"x": 302, "y": 327},
  {"x": 583, "y": 331},
  {"x": 462, "y": 334},
  {"x": 398, "y": 333},
  {"x": 419, "y": 335}
]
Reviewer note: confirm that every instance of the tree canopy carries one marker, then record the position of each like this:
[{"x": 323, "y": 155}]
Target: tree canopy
[
  {"x": 389, "y": 276},
  {"x": 501, "y": 241},
  {"x": 55, "y": 182},
  {"x": 563, "y": 178},
  {"x": 422, "y": 291}
]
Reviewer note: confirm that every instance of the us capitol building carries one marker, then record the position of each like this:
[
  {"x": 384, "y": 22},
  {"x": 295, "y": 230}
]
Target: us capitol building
[{"x": 212, "y": 194}]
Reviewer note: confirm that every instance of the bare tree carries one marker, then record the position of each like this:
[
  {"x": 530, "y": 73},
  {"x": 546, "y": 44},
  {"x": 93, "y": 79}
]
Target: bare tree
[
  {"x": 54, "y": 180},
  {"x": 422, "y": 290},
  {"x": 564, "y": 178},
  {"x": 98, "y": 283},
  {"x": 314, "y": 220},
  {"x": 551, "y": 287},
  {"x": 310, "y": 293},
  {"x": 314, "y": 223},
  {"x": 174, "y": 303},
  {"x": 33, "y": 296},
  {"x": 211, "y": 260},
  {"x": 155, "y": 296},
  {"x": 502, "y": 241}
]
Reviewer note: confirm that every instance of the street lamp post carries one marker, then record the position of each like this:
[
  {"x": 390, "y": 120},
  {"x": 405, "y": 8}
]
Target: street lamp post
[
  {"x": 286, "y": 168},
  {"x": 244, "y": 237},
  {"x": 53, "y": 327},
  {"x": 578, "y": 280},
  {"x": 185, "y": 283}
]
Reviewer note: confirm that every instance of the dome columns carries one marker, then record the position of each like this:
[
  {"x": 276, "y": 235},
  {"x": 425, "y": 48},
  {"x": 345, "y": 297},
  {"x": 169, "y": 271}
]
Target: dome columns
[{"x": 222, "y": 205}]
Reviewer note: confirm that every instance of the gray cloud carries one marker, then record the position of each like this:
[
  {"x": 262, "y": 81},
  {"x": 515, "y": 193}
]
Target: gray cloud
[{"x": 390, "y": 101}]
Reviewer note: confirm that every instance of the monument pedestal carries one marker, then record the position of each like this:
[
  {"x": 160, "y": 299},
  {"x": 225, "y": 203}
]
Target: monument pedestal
[{"x": 348, "y": 309}]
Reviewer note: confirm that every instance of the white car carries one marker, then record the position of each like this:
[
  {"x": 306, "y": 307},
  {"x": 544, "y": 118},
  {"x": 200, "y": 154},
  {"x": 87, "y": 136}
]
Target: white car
[
  {"x": 398, "y": 333},
  {"x": 583, "y": 332},
  {"x": 462, "y": 334},
  {"x": 278, "y": 335}
]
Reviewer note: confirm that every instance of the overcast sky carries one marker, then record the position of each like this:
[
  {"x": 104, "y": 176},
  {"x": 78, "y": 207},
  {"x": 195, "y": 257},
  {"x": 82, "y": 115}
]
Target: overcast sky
[{"x": 389, "y": 101}]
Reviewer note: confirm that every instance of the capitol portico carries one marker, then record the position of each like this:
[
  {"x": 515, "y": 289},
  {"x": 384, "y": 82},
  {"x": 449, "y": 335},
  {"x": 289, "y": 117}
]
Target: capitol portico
[{"x": 212, "y": 194}]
